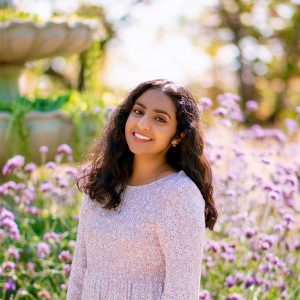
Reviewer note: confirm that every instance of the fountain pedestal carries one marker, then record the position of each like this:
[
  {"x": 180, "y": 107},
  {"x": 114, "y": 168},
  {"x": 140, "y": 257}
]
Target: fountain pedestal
[{"x": 22, "y": 41}]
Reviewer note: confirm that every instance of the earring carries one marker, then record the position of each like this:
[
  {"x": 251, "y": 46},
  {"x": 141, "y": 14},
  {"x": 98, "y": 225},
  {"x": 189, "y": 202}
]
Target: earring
[{"x": 174, "y": 144}]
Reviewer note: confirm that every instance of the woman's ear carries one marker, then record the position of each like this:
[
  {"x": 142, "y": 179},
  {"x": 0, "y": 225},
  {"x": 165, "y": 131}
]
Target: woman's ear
[{"x": 181, "y": 136}]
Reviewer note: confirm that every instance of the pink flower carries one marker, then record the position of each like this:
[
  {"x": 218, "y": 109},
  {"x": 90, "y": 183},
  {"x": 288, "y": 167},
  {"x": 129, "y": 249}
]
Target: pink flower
[
  {"x": 67, "y": 269},
  {"x": 10, "y": 285},
  {"x": 51, "y": 237},
  {"x": 4, "y": 213},
  {"x": 14, "y": 252},
  {"x": 204, "y": 295},
  {"x": 291, "y": 125},
  {"x": 44, "y": 149},
  {"x": 30, "y": 167},
  {"x": 43, "y": 250},
  {"x": 251, "y": 105},
  {"x": 221, "y": 111},
  {"x": 13, "y": 164},
  {"x": 44, "y": 295},
  {"x": 46, "y": 187},
  {"x": 205, "y": 103},
  {"x": 30, "y": 267},
  {"x": 50, "y": 165},
  {"x": 65, "y": 256},
  {"x": 64, "y": 148},
  {"x": 33, "y": 211},
  {"x": 8, "y": 266}
]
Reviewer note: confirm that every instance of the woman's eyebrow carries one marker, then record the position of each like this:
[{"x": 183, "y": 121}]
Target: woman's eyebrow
[{"x": 155, "y": 110}]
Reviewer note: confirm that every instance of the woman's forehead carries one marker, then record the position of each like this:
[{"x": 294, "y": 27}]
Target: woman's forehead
[{"x": 156, "y": 99}]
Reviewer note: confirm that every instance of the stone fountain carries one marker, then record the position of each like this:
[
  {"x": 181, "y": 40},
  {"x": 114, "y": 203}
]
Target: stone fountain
[{"x": 23, "y": 41}]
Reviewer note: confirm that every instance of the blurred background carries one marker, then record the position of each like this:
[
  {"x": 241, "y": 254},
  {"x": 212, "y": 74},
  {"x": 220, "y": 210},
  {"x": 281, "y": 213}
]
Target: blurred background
[{"x": 248, "y": 48}]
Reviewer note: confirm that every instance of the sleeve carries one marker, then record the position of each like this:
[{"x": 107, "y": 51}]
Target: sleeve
[
  {"x": 78, "y": 268},
  {"x": 181, "y": 234}
]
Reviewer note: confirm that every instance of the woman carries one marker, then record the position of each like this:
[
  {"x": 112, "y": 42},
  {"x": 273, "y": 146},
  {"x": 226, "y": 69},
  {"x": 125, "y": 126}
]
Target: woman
[{"x": 147, "y": 199}]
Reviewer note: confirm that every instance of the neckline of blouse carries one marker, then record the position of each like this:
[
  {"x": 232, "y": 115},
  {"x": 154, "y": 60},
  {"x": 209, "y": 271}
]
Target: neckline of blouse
[{"x": 136, "y": 187}]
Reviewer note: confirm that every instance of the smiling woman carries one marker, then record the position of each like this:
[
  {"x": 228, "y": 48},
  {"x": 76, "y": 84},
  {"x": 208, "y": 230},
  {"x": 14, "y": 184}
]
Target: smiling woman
[
  {"x": 147, "y": 199},
  {"x": 157, "y": 122}
]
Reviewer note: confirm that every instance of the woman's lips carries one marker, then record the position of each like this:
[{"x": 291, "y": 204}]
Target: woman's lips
[{"x": 140, "y": 140}]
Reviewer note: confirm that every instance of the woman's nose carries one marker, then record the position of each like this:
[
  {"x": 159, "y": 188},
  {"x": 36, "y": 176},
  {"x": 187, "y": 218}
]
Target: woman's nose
[{"x": 143, "y": 123}]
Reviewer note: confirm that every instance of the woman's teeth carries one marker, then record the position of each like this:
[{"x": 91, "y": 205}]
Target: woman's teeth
[{"x": 139, "y": 136}]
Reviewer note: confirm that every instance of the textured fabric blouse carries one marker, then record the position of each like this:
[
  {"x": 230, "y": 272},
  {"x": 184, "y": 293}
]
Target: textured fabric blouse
[{"x": 151, "y": 248}]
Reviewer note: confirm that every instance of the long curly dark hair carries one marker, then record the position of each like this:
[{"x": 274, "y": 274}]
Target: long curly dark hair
[{"x": 111, "y": 161}]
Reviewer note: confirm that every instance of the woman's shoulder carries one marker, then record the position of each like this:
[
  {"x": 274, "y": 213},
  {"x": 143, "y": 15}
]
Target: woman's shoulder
[
  {"x": 181, "y": 188},
  {"x": 181, "y": 182},
  {"x": 181, "y": 196}
]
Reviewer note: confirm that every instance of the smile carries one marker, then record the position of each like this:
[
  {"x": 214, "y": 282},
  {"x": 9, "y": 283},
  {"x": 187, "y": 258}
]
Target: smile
[{"x": 140, "y": 137}]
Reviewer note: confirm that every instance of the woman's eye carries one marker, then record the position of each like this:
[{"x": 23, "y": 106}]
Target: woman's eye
[
  {"x": 161, "y": 119},
  {"x": 137, "y": 111}
]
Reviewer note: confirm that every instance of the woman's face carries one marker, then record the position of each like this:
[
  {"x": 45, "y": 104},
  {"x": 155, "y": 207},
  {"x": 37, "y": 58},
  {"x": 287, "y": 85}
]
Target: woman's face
[{"x": 153, "y": 116}]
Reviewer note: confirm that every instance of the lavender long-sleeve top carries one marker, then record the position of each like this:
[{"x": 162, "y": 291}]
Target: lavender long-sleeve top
[{"x": 151, "y": 248}]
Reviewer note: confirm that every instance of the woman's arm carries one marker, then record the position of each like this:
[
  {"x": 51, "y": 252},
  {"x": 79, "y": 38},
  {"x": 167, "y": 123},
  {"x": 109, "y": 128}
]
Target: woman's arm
[
  {"x": 181, "y": 232},
  {"x": 78, "y": 268}
]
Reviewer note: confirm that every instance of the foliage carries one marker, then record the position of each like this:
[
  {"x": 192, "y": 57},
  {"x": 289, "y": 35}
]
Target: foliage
[
  {"x": 88, "y": 112},
  {"x": 9, "y": 14},
  {"x": 16, "y": 134},
  {"x": 259, "y": 41}
]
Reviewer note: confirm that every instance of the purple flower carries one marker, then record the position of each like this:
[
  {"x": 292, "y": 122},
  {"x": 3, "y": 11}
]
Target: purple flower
[
  {"x": 251, "y": 105},
  {"x": 30, "y": 267},
  {"x": 44, "y": 149},
  {"x": 50, "y": 165},
  {"x": 232, "y": 96},
  {"x": 73, "y": 172},
  {"x": 291, "y": 125},
  {"x": 288, "y": 220},
  {"x": 51, "y": 237},
  {"x": 64, "y": 148},
  {"x": 298, "y": 109},
  {"x": 249, "y": 281},
  {"x": 235, "y": 297},
  {"x": 10, "y": 285},
  {"x": 205, "y": 295},
  {"x": 273, "y": 195},
  {"x": 14, "y": 252},
  {"x": 33, "y": 211},
  {"x": 46, "y": 187},
  {"x": 230, "y": 281},
  {"x": 4, "y": 213},
  {"x": 213, "y": 246},
  {"x": 63, "y": 183},
  {"x": 43, "y": 250},
  {"x": 7, "y": 221},
  {"x": 265, "y": 161},
  {"x": 28, "y": 196},
  {"x": 221, "y": 111},
  {"x": 8, "y": 266},
  {"x": 250, "y": 232},
  {"x": 239, "y": 277},
  {"x": 13, "y": 164},
  {"x": 67, "y": 269},
  {"x": 30, "y": 167},
  {"x": 278, "y": 228},
  {"x": 65, "y": 256},
  {"x": 205, "y": 103}
]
